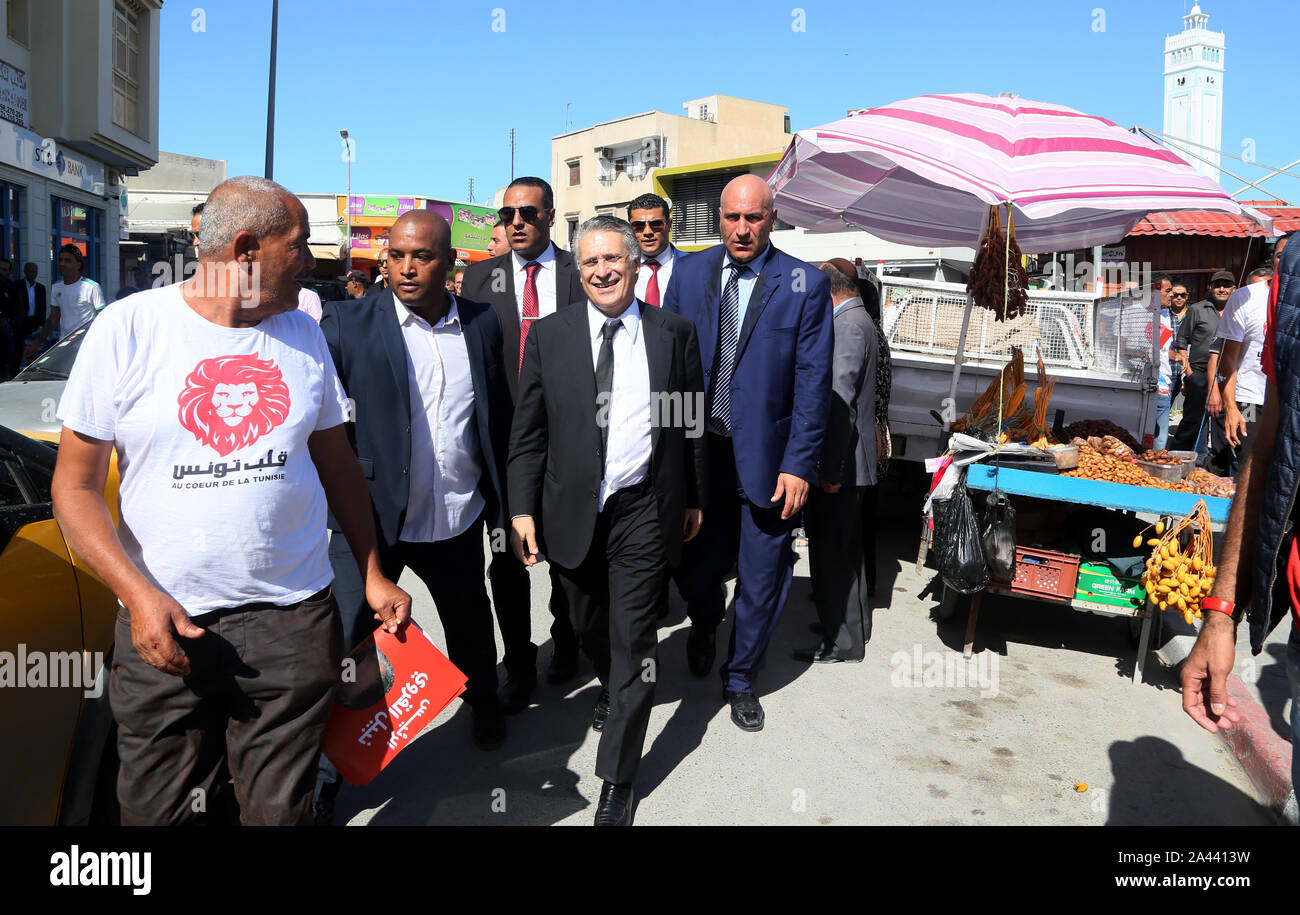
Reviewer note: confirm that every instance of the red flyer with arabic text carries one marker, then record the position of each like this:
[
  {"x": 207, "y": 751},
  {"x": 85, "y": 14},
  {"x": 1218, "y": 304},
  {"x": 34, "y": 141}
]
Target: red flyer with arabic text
[{"x": 390, "y": 688}]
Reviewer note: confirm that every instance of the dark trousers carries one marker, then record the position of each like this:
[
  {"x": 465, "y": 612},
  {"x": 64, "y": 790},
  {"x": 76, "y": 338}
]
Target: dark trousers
[
  {"x": 870, "y": 499},
  {"x": 753, "y": 538},
  {"x": 1195, "y": 390},
  {"x": 839, "y": 575},
  {"x": 255, "y": 705},
  {"x": 613, "y": 596},
  {"x": 452, "y": 570},
  {"x": 1225, "y": 460}
]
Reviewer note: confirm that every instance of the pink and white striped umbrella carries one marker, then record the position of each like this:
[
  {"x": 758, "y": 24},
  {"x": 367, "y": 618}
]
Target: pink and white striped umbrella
[{"x": 925, "y": 170}]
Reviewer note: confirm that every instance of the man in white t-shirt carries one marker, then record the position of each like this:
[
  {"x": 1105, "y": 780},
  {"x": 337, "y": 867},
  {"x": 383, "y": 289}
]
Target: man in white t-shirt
[
  {"x": 224, "y": 408},
  {"x": 1240, "y": 391},
  {"x": 72, "y": 301}
]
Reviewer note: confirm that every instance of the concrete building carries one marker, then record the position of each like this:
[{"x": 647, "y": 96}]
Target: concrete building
[
  {"x": 1194, "y": 93},
  {"x": 78, "y": 111},
  {"x": 157, "y": 205},
  {"x": 602, "y": 168}
]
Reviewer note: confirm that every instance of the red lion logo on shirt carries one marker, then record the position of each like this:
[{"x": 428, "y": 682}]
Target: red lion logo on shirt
[{"x": 229, "y": 402}]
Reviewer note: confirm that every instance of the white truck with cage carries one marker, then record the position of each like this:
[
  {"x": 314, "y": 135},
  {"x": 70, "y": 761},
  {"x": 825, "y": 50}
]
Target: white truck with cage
[{"x": 1100, "y": 350}]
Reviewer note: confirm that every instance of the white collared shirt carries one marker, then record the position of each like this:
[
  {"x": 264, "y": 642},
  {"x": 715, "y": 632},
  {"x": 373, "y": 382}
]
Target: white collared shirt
[
  {"x": 627, "y": 454},
  {"x": 546, "y": 279},
  {"x": 443, "y": 497},
  {"x": 666, "y": 258},
  {"x": 31, "y": 299}
]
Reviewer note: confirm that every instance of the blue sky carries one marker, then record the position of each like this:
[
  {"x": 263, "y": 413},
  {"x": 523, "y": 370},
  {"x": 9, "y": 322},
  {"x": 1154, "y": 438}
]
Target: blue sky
[{"x": 430, "y": 90}]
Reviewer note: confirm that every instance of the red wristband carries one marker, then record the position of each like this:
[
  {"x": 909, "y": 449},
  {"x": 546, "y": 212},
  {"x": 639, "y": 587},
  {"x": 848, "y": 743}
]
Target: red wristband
[{"x": 1218, "y": 603}]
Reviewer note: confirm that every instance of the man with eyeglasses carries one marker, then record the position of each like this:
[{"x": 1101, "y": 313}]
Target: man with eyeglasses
[
  {"x": 605, "y": 487},
  {"x": 529, "y": 281},
  {"x": 1195, "y": 337},
  {"x": 652, "y": 223},
  {"x": 1179, "y": 297}
]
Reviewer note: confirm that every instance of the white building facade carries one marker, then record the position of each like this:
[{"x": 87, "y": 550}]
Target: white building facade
[
  {"x": 1194, "y": 93},
  {"x": 78, "y": 111}
]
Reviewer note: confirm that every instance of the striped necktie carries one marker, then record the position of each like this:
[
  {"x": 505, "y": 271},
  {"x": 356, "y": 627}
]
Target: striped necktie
[
  {"x": 529, "y": 310},
  {"x": 725, "y": 364}
]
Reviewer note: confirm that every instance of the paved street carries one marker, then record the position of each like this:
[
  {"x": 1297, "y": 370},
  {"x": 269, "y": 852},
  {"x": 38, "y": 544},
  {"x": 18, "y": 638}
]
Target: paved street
[{"x": 1049, "y": 703}]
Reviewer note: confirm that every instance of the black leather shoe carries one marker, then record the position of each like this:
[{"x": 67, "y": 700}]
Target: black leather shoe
[
  {"x": 563, "y": 666},
  {"x": 700, "y": 650},
  {"x": 745, "y": 710},
  {"x": 489, "y": 727},
  {"x": 600, "y": 711},
  {"x": 822, "y": 654},
  {"x": 517, "y": 692},
  {"x": 615, "y": 807}
]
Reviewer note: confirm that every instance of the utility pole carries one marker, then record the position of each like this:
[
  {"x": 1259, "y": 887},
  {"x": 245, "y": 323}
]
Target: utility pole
[
  {"x": 512, "y": 154},
  {"x": 471, "y": 190},
  {"x": 348, "y": 208},
  {"x": 270, "y": 94}
]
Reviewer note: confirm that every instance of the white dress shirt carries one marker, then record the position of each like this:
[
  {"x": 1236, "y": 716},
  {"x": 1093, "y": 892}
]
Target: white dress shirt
[
  {"x": 31, "y": 299},
  {"x": 666, "y": 257},
  {"x": 627, "y": 454},
  {"x": 546, "y": 279},
  {"x": 444, "y": 499}
]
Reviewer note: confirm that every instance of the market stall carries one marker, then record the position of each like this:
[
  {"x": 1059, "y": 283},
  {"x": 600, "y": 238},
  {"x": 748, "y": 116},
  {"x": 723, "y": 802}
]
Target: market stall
[
  {"x": 1006, "y": 175},
  {"x": 1068, "y": 514}
]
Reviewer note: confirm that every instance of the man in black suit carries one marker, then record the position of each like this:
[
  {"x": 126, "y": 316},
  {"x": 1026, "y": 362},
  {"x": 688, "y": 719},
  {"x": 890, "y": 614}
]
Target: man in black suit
[
  {"x": 13, "y": 319},
  {"x": 530, "y": 281},
  {"x": 430, "y": 425},
  {"x": 606, "y": 474}
]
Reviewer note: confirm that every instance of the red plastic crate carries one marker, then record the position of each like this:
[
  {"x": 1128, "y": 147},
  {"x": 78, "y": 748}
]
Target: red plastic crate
[{"x": 1045, "y": 572}]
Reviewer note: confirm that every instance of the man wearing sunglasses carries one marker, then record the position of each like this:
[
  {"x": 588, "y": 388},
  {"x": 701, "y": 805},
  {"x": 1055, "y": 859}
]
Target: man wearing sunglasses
[
  {"x": 1192, "y": 346},
  {"x": 531, "y": 280},
  {"x": 652, "y": 223}
]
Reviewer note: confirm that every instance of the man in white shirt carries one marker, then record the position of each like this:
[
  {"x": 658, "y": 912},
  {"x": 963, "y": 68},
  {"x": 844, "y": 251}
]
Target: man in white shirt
[
  {"x": 652, "y": 222},
  {"x": 72, "y": 301},
  {"x": 610, "y": 485},
  {"x": 423, "y": 369},
  {"x": 223, "y": 406},
  {"x": 1238, "y": 366}
]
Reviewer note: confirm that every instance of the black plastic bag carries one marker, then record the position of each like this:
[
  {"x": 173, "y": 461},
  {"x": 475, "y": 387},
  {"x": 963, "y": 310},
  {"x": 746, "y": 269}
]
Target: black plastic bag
[
  {"x": 961, "y": 554},
  {"x": 1000, "y": 536}
]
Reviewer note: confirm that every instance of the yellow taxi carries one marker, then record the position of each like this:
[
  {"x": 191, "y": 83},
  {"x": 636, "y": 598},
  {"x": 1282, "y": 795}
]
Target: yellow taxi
[{"x": 56, "y": 625}]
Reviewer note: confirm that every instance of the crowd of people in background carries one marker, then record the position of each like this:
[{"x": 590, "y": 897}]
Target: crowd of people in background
[{"x": 1211, "y": 356}]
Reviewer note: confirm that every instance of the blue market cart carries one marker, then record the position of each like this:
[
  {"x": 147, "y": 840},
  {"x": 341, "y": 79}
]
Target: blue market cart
[{"x": 1147, "y": 503}]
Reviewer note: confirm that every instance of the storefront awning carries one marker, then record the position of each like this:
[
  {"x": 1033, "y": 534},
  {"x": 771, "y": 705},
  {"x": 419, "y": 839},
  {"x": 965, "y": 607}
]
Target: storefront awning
[{"x": 325, "y": 252}]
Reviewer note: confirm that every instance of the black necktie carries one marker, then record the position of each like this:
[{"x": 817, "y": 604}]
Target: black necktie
[{"x": 604, "y": 385}]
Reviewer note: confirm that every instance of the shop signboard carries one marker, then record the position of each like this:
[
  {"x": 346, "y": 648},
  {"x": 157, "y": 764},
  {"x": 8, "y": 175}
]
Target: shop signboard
[{"x": 13, "y": 94}]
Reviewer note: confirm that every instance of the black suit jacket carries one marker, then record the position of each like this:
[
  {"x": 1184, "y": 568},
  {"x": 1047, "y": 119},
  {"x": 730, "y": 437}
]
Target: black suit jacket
[
  {"x": 13, "y": 302},
  {"x": 369, "y": 353},
  {"x": 35, "y": 322},
  {"x": 493, "y": 281},
  {"x": 556, "y": 463}
]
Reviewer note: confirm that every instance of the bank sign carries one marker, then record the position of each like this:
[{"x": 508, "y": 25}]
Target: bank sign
[{"x": 31, "y": 152}]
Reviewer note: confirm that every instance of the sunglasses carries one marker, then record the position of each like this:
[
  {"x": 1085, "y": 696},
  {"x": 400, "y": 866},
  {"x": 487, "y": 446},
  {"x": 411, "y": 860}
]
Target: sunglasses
[
  {"x": 527, "y": 214},
  {"x": 1180, "y": 295},
  {"x": 656, "y": 224}
]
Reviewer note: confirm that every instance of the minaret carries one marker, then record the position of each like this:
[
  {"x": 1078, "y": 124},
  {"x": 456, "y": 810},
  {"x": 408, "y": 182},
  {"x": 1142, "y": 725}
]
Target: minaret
[{"x": 1194, "y": 92}]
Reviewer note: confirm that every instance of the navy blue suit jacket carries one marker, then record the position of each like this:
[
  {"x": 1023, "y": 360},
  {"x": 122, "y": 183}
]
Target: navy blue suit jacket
[
  {"x": 370, "y": 355},
  {"x": 781, "y": 386}
]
